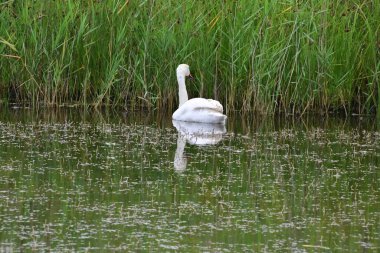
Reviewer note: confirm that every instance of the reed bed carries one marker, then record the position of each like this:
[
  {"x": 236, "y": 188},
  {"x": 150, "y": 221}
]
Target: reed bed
[{"x": 265, "y": 56}]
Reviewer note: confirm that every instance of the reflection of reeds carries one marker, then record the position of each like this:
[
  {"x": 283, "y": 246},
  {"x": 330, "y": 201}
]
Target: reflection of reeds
[{"x": 253, "y": 55}]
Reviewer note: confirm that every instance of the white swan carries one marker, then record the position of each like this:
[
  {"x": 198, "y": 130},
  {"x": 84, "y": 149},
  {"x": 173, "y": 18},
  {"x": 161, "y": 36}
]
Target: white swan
[{"x": 196, "y": 109}]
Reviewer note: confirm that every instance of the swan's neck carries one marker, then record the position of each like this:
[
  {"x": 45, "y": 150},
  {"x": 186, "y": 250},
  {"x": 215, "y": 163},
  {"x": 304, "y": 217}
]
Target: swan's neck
[{"x": 182, "y": 90}]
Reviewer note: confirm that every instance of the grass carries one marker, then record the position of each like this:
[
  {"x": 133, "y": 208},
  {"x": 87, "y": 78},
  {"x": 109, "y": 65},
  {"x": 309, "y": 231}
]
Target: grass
[{"x": 266, "y": 56}]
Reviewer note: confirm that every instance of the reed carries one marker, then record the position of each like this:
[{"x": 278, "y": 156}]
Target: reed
[{"x": 266, "y": 56}]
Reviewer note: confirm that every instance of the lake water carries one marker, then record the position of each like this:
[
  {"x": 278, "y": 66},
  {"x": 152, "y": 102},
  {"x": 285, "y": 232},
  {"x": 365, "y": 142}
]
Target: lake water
[{"x": 94, "y": 181}]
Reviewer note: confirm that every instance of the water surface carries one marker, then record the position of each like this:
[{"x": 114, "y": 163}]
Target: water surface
[{"x": 84, "y": 180}]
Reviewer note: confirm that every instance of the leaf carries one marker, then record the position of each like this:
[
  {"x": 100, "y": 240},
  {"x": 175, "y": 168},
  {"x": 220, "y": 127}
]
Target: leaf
[{"x": 10, "y": 45}]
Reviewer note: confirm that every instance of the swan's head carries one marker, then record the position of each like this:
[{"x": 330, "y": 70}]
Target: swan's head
[{"x": 183, "y": 70}]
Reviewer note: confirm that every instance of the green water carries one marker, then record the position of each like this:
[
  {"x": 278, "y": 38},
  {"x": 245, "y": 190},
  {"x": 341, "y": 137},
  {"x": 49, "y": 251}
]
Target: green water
[{"x": 113, "y": 181}]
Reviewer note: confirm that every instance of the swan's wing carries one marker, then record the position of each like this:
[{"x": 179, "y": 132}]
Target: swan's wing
[
  {"x": 200, "y": 110},
  {"x": 204, "y": 104}
]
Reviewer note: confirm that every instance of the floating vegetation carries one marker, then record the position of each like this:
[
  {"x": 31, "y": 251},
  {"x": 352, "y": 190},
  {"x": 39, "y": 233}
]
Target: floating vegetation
[{"x": 111, "y": 184}]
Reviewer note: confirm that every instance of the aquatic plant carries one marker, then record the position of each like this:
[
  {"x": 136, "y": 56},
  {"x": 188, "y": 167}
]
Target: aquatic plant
[
  {"x": 264, "y": 55},
  {"x": 90, "y": 181}
]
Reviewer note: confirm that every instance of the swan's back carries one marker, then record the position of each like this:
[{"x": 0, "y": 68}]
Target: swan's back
[{"x": 200, "y": 110}]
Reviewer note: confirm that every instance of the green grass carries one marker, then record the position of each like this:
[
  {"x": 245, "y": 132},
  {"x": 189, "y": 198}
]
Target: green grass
[{"x": 266, "y": 56}]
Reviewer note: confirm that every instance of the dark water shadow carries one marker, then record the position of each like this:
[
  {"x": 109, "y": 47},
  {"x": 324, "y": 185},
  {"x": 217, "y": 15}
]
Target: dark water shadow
[{"x": 236, "y": 123}]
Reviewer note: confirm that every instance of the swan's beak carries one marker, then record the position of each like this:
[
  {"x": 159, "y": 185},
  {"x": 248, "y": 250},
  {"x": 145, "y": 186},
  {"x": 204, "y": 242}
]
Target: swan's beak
[{"x": 190, "y": 77}]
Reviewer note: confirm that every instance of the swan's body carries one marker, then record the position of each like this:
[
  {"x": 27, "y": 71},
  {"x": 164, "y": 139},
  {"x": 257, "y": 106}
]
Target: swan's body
[
  {"x": 200, "y": 110},
  {"x": 196, "y": 109}
]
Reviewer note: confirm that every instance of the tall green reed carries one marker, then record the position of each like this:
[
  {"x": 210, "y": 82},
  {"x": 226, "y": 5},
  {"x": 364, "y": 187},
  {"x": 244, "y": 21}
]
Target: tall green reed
[{"x": 264, "y": 55}]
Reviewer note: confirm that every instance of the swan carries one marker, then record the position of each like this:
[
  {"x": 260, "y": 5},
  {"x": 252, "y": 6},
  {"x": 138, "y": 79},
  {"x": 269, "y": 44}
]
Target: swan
[{"x": 196, "y": 109}]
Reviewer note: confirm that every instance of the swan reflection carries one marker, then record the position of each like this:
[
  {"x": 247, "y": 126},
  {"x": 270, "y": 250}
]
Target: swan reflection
[{"x": 200, "y": 134}]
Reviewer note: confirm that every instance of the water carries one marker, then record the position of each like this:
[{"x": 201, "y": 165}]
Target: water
[{"x": 72, "y": 180}]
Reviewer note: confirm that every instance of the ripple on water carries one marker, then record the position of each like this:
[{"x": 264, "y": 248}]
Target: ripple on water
[{"x": 83, "y": 186}]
